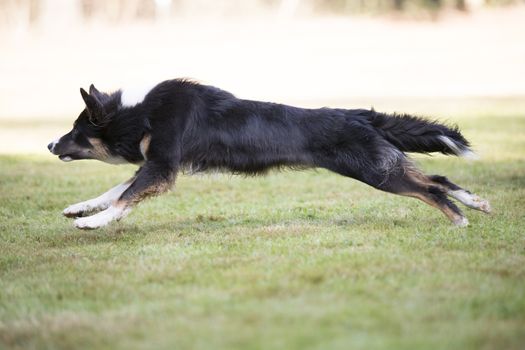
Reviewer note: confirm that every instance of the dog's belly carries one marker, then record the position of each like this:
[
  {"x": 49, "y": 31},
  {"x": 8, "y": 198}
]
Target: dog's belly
[{"x": 250, "y": 159}]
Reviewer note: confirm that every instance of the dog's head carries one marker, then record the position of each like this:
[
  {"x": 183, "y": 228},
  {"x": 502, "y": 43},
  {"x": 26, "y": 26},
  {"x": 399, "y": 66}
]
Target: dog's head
[{"x": 93, "y": 135}]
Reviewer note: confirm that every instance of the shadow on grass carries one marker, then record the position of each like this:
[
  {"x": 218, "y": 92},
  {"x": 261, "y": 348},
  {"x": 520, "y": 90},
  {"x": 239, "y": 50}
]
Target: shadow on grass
[
  {"x": 116, "y": 233},
  {"x": 225, "y": 229}
]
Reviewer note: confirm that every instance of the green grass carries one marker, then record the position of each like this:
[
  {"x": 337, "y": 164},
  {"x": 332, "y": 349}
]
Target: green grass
[{"x": 290, "y": 261}]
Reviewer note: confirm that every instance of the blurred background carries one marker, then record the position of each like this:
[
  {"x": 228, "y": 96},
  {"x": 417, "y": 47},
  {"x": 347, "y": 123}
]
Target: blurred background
[{"x": 420, "y": 56}]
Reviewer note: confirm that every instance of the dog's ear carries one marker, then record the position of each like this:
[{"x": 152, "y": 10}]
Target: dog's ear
[
  {"x": 94, "y": 108},
  {"x": 93, "y": 91}
]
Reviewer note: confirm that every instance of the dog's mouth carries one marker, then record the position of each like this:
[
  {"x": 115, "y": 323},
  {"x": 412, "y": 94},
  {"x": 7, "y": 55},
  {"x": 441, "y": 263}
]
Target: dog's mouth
[{"x": 66, "y": 157}]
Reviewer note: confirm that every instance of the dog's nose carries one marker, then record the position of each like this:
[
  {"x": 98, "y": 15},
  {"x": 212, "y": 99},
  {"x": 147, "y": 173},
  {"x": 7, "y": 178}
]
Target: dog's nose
[{"x": 52, "y": 145}]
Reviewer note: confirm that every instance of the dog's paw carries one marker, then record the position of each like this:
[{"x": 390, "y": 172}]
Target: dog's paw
[
  {"x": 83, "y": 208},
  {"x": 91, "y": 222},
  {"x": 471, "y": 200},
  {"x": 461, "y": 222},
  {"x": 481, "y": 204},
  {"x": 76, "y": 210},
  {"x": 101, "y": 219}
]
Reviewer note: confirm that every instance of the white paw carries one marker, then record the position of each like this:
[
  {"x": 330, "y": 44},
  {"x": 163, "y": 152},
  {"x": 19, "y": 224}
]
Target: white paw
[
  {"x": 481, "y": 204},
  {"x": 471, "y": 200},
  {"x": 90, "y": 223},
  {"x": 101, "y": 219},
  {"x": 461, "y": 222},
  {"x": 76, "y": 209},
  {"x": 81, "y": 208}
]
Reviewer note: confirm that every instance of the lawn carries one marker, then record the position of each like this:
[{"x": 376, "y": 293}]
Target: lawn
[{"x": 294, "y": 260}]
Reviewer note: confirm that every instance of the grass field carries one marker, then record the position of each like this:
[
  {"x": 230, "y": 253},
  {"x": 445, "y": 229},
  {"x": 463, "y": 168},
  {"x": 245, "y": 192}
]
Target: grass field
[{"x": 306, "y": 260}]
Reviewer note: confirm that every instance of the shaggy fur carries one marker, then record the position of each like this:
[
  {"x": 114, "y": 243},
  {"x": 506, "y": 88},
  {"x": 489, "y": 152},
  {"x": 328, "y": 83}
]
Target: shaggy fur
[{"x": 183, "y": 125}]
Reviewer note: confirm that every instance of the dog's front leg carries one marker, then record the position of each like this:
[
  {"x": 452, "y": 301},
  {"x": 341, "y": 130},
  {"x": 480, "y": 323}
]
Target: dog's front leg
[
  {"x": 99, "y": 203},
  {"x": 152, "y": 179}
]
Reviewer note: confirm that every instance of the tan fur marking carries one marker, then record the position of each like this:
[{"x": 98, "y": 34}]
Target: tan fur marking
[
  {"x": 454, "y": 217},
  {"x": 153, "y": 190},
  {"x": 144, "y": 145},
  {"x": 418, "y": 177},
  {"x": 99, "y": 150}
]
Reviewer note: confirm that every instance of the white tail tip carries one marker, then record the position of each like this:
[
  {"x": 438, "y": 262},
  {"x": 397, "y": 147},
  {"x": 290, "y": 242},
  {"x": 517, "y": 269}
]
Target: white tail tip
[
  {"x": 461, "y": 152},
  {"x": 468, "y": 154}
]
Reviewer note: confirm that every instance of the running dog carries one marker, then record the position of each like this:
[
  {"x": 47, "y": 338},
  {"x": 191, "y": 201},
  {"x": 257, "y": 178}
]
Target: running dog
[{"x": 182, "y": 125}]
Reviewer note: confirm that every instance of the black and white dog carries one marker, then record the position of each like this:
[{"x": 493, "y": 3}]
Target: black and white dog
[{"x": 181, "y": 125}]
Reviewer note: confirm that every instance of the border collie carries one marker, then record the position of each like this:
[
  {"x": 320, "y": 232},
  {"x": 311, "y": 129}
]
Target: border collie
[{"x": 183, "y": 125}]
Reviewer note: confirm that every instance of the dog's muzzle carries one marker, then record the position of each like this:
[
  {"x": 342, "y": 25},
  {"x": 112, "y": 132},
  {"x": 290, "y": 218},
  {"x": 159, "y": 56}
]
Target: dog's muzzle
[{"x": 63, "y": 157}]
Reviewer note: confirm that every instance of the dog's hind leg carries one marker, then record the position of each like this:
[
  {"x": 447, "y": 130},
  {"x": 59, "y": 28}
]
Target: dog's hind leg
[
  {"x": 464, "y": 196},
  {"x": 152, "y": 179},
  {"x": 99, "y": 203},
  {"x": 409, "y": 181},
  {"x": 399, "y": 176}
]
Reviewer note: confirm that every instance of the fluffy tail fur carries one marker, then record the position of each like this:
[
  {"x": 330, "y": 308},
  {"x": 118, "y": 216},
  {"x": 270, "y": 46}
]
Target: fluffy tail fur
[{"x": 413, "y": 134}]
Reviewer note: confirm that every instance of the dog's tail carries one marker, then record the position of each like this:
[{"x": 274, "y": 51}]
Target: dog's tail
[{"x": 414, "y": 134}]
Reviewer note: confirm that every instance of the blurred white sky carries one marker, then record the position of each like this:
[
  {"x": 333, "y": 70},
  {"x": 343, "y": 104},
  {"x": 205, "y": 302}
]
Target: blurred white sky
[{"x": 307, "y": 60}]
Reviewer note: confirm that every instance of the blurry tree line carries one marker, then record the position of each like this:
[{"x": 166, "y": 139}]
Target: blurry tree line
[
  {"x": 359, "y": 6},
  {"x": 115, "y": 10}
]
